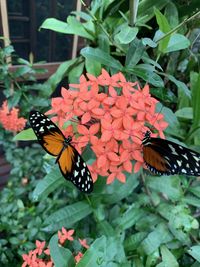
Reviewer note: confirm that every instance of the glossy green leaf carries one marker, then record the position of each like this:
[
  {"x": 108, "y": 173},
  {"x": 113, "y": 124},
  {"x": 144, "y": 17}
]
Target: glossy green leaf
[
  {"x": 61, "y": 256},
  {"x": 168, "y": 185},
  {"x": 101, "y": 57},
  {"x": 177, "y": 42},
  {"x": 67, "y": 216},
  {"x": 119, "y": 191},
  {"x": 180, "y": 85},
  {"x": 94, "y": 256},
  {"x": 73, "y": 26},
  {"x": 168, "y": 258},
  {"x": 48, "y": 184},
  {"x": 129, "y": 218},
  {"x": 185, "y": 113},
  {"x": 149, "y": 42},
  {"x": 160, "y": 235},
  {"x": 25, "y": 135},
  {"x": 194, "y": 251},
  {"x": 133, "y": 241},
  {"x": 61, "y": 72},
  {"x": 134, "y": 54},
  {"x": 92, "y": 67},
  {"x": 126, "y": 34},
  {"x": 145, "y": 72},
  {"x": 164, "y": 28},
  {"x": 195, "y": 85}
]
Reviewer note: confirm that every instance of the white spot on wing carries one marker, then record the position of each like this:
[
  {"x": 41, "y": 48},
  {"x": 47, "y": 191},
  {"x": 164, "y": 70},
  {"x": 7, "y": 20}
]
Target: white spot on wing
[
  {"x": 75, "y": 174},
  {"x": 173, "y": 149}
]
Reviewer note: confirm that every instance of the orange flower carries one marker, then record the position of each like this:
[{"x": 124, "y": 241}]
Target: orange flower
[
  {"x": 10, "y": 120},
  {"x": 83, "y": 243},
  {"x": 65, "y": 235},
  {"x": 78, "y": 257},
  {"x": 32, "y": 260},
  {"x": 113, "y": 117},
  {"x": 39, "y": 246}
]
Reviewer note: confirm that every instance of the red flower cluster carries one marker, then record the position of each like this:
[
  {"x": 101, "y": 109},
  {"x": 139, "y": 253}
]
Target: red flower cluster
[
  {"x": 113, "y": 117},
  {"x": 32, "y": 259},
  {"x": 10, "y": 120}
]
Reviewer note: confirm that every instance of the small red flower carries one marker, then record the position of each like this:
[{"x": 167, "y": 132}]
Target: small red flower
[
  {"x": 65, "y": 235},
  {"x": 83, "y": 243},
  {"x": 10, "y": 120}
]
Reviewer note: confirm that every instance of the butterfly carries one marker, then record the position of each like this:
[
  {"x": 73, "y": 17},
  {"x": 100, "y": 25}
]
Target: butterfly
[
  {"x": 70, "y": 162},
  {"x": 166, "y": 157}
]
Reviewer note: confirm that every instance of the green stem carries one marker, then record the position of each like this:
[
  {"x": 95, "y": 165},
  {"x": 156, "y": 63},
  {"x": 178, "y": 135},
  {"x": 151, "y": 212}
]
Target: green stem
[
  {"x": 178, "y": 26},
  {"x": 133, "y": 6}
]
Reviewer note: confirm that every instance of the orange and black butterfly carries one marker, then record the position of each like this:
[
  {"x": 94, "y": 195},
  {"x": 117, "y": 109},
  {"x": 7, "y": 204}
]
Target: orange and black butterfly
[
  {"x": 71, "y": 164},
  {"x": 165, "y": 157}
]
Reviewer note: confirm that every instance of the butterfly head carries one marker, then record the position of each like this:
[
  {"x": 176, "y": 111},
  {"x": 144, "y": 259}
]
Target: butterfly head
[{"x": 146, "y": 138}]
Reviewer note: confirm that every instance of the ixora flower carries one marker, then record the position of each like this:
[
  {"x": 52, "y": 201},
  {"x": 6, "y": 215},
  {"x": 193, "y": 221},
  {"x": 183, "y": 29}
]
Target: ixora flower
[
  {"x": 10, "y": 120},
  {"x": 40, "y": 256},
  {"x": 110, "y": 115}
]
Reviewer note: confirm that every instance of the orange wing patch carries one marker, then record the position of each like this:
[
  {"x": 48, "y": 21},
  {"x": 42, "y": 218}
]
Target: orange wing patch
[
  {"x": 153, "y": 158},
  {"x": 66, "y": 160},
  {"x": 53, "y": 143}
]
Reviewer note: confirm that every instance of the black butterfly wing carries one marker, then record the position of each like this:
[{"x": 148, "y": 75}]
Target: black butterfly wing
[
  {"x": 74, "y": 169},
  {"x": 48, "y": 134},
  {"x": 166, "y": 157}
]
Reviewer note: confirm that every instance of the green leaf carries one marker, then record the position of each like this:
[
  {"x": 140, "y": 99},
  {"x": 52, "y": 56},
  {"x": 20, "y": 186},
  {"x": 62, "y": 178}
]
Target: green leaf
[
  {"x": 149, "y": 42},
  {"x": 191, "y": 200},
  {"x": 168, "y": 258},
  {"x": 180, "y": 85},
  {"x": 73, "y": 26},
  {"x": 76, "y": 71},
  {"x": 146, "y": 9},
  {"x": 162, "y": 21},
  {"x": 195, "y": 190},
  {"x": 194, "y": 251},
  {"x": 118, "y": 191},
  {"x": 177, "y": 42},
  {"x": 185, "y": 113},
  {"x": 67, "y": 216},
  {"x": 61, "y": 72},
  {"x": 129, "y": 218},
  {"x": 48, "y": 184},
  {"x": 106, "y": 228},
  {"x": 93, "y": 67},
  {"x": 102, "y": 57},
  {"x": 160, "y": 235},
  {"x": 145, "y": 72},
  {"x": 94, "y": 256},
  {"x": 105, "y": 252},
  {"x": 25, "y": 135},
  {"x": 168, "y": 185},
  {"x": 164, "y": 94},
  {"x": 134, "y": 54},
  {"x": 133, "y": 241},
  {"x": 195, "y": 85},
  {"x": 61, "y": 256},
  {"x": 126, "y": 34},
  {"x": 164, "y": 27}
]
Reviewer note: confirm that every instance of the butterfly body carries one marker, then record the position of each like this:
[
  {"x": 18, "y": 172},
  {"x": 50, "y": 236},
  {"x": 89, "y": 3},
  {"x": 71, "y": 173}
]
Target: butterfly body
[
  {"x": 70, "y": 162},
  {"x": 165, "y": 157}
]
